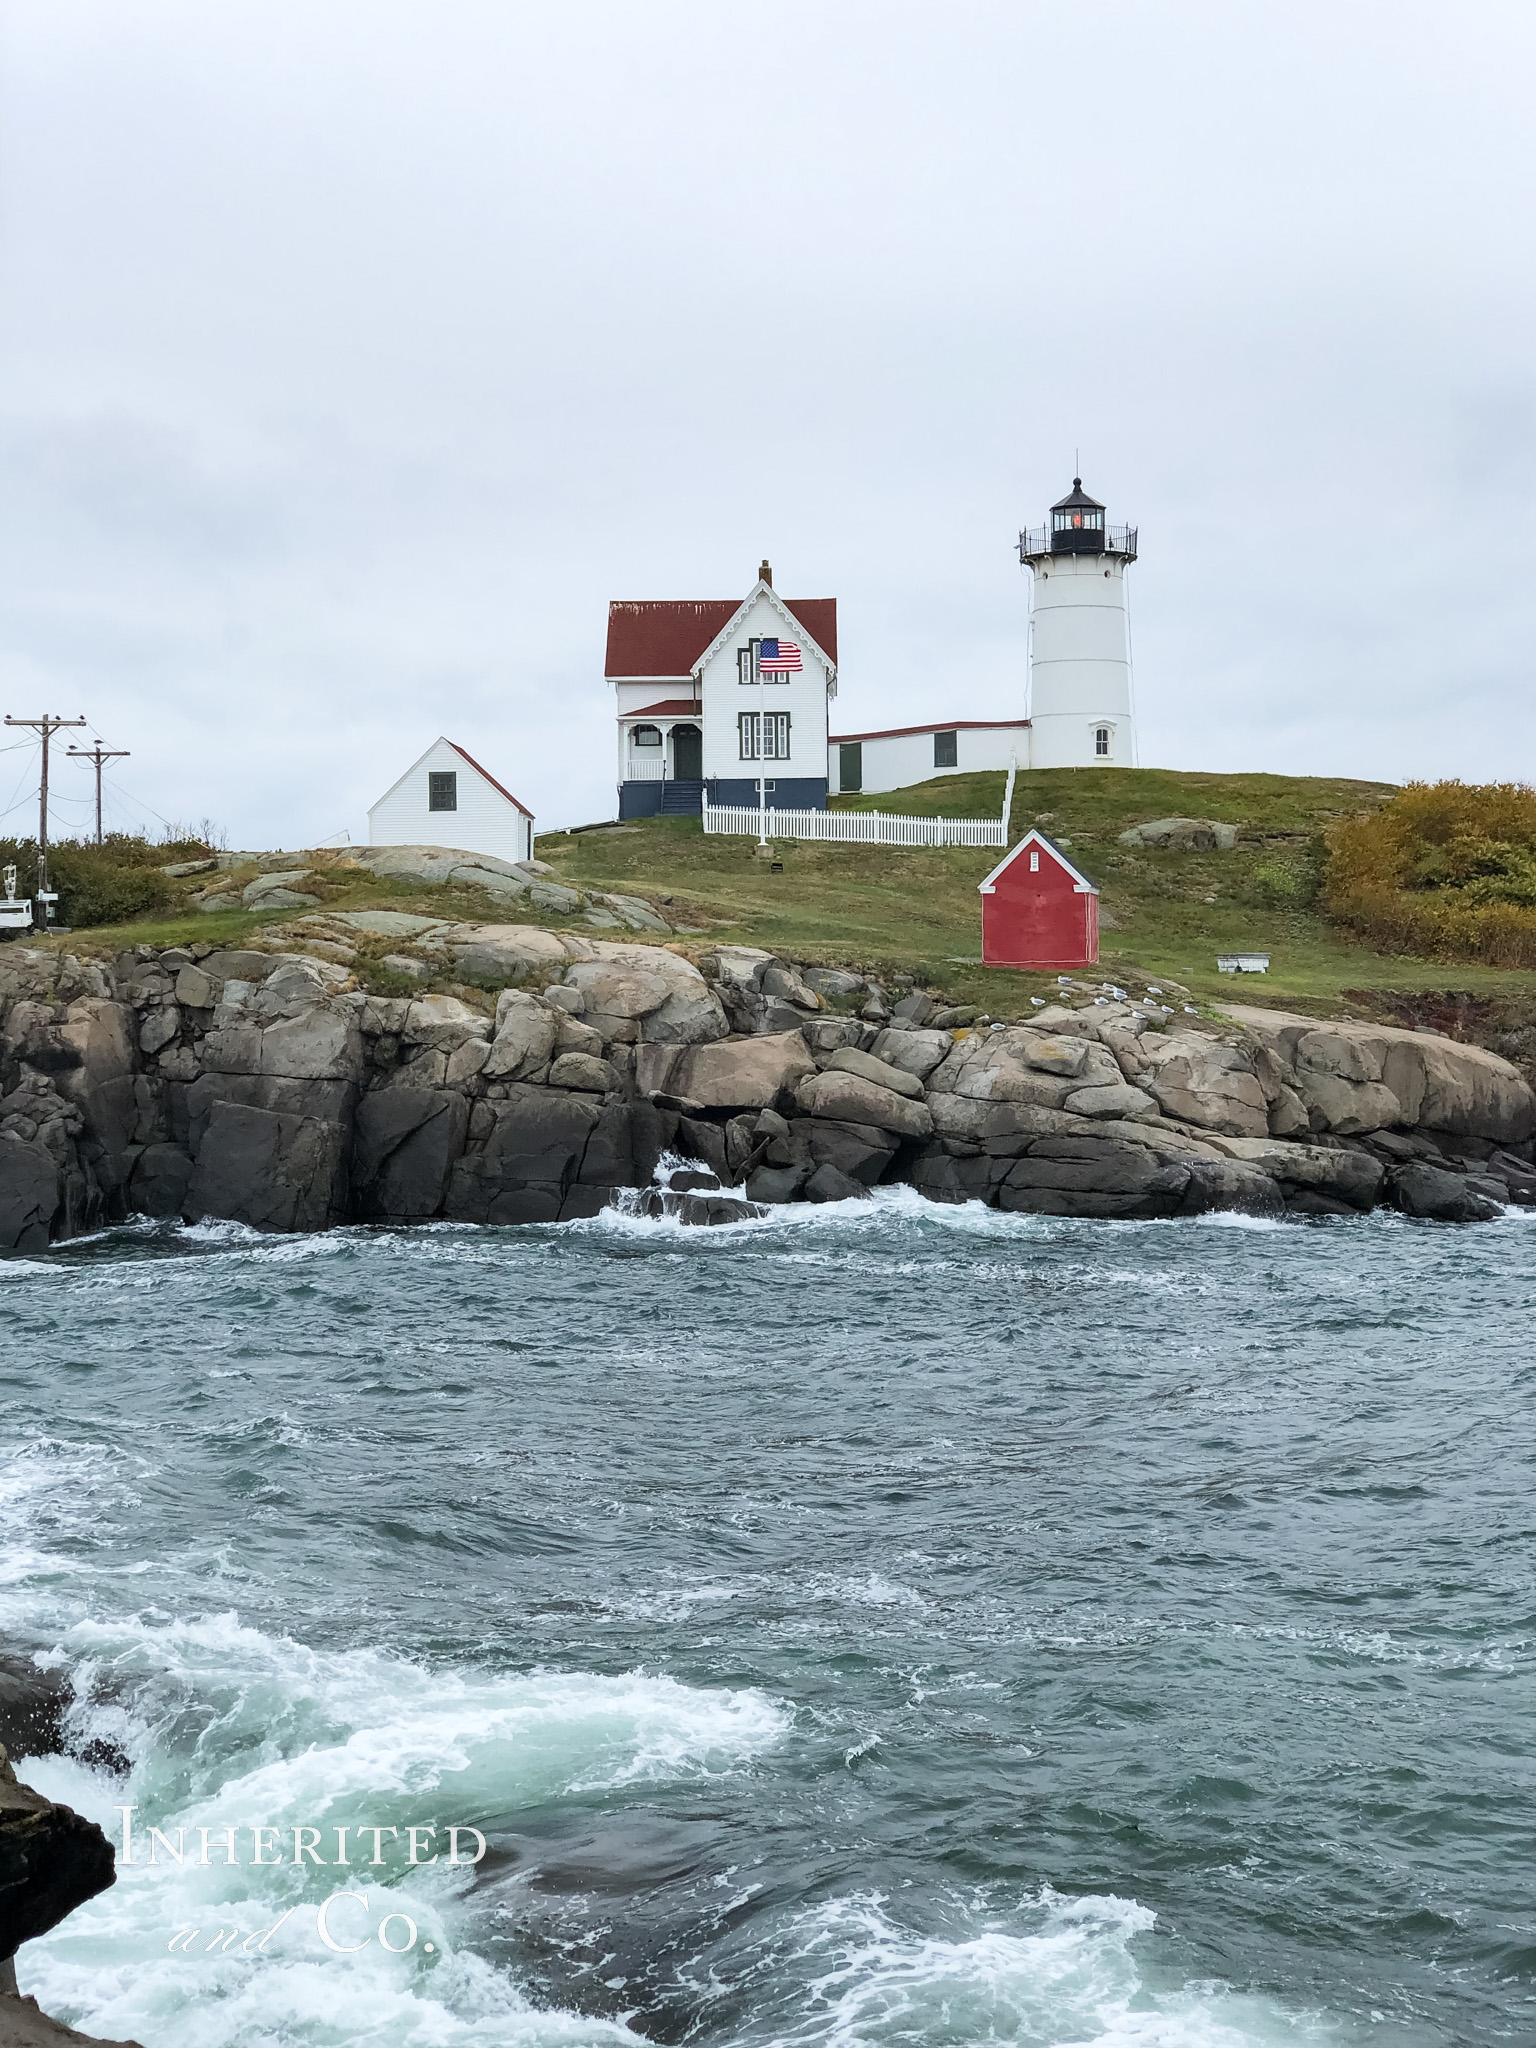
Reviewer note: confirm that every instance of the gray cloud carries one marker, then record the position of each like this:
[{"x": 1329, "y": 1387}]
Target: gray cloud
[{"x": 355, "y": 356}]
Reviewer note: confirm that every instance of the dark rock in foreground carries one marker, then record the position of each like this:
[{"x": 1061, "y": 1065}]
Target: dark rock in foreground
[{"x": 50, "y": 1862}]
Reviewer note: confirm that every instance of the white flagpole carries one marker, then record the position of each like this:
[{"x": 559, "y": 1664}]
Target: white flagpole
[{"x": 762, "y": 754}]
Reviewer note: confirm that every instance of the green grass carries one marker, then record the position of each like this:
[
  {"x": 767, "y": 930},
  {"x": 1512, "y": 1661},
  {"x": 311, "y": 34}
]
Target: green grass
[{"x": 917, "y": 909}]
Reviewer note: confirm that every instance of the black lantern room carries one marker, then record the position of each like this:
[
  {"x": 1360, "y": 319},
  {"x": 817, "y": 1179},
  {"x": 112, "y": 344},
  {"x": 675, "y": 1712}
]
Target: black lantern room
[{"x": 1077, "y": 523}]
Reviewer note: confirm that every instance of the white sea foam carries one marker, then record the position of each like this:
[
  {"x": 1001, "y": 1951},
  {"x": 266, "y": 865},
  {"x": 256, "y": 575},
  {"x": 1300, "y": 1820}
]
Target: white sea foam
[
  {"x": 1072, "y": 1980},
  {"x": 288, "y": 1735}
]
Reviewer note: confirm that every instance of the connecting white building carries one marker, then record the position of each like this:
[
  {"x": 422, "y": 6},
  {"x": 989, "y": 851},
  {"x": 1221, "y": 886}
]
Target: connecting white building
[{"x": 904, "y": 754}]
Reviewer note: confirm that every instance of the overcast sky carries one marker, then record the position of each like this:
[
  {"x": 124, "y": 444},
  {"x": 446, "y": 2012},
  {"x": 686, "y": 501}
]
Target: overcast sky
[{"x": 355, "y": 353}]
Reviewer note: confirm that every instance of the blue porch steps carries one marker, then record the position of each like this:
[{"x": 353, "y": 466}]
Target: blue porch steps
[{"x": 682, "y": 799}]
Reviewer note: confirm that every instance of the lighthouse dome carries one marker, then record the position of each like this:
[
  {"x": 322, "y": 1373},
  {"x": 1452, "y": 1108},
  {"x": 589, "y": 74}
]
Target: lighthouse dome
[{"x": 1077, "y": 523}]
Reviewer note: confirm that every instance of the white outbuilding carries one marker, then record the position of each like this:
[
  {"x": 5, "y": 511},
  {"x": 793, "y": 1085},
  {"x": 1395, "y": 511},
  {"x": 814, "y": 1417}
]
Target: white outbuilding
[{"x": 447, "y": 799}]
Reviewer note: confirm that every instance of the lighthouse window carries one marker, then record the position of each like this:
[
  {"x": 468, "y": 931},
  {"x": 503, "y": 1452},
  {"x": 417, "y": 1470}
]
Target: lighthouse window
[
  {"x": 1064, "y": 522},
  {"x": 1101, "y": 740}
]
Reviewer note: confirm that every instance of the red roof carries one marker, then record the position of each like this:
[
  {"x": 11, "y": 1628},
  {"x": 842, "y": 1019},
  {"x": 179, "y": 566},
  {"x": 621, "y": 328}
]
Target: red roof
[
  {"x": 672, "y": 707},
  {"x": 511, "y": 799},
  {"x": 901, "y": 732},
  {"x": 666, "y": 636}
]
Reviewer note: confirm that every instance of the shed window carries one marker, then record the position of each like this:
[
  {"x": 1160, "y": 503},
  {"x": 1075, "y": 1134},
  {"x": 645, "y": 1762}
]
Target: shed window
[
  {"x": 1034, "y": 863},
  {"x": 946, "y": 750},
  {"x": 1101, "y": 741},
  {"x": 442, "y": 790},
  {"x": 646, "y": 735}
]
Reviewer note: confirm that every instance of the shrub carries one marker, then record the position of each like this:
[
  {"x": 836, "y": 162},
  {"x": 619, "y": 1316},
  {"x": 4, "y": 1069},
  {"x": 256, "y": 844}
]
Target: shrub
[
  {"x": 106, "y": 884},
  {"x": 1446, "y": 870}
]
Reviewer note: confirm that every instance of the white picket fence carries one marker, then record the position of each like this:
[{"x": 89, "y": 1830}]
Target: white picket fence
[{"x": 862, "y": 828}]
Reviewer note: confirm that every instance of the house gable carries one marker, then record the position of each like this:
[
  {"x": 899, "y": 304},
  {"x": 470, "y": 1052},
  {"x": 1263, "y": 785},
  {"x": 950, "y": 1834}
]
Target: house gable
[
  {"x": 1081, "y": 885},
  {"x": 794, "y": 626},
  {"x": 668, "y": 640},
  {"x": 435, "y": 751}
]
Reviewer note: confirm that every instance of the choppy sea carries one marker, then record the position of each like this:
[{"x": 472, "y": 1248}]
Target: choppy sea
[{"x": 883, "y": 1624}]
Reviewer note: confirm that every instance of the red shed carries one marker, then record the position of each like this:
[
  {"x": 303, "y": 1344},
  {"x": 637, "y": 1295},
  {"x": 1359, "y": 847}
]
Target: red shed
[{"x": 1037, "y": 910}]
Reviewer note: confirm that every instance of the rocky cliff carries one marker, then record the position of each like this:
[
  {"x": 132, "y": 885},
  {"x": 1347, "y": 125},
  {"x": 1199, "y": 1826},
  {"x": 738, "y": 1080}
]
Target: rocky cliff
[
  {"x": 268, "y": 1086},
  {"x": 51, "y": 1860}
]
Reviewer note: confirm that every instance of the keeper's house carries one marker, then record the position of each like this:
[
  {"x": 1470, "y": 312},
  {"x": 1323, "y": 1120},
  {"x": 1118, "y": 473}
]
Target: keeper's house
[
  {"x": 447, "y": 799},
  {"x": 713, "y": 692},
  {"x": 895, "y": 759}
]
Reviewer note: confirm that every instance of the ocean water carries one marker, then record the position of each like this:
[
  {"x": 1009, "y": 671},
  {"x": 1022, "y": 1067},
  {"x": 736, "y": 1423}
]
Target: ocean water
[{"x": 884, "y": 1625}]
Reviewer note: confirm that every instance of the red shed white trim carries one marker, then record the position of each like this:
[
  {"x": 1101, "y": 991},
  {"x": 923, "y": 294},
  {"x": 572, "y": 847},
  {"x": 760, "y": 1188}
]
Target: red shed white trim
[{"x": 1038, "y": 910}]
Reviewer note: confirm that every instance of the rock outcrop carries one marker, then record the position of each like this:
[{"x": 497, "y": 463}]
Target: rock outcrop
[
  {"x": 268, "y": 1087},
  {"x": 51, "y": 1860}
]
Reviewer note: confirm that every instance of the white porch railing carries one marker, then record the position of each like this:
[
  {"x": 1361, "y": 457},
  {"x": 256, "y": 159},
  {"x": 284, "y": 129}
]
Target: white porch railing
[
  {"x": 648, "y": 765},
  {"x": 863, "y": 828}
]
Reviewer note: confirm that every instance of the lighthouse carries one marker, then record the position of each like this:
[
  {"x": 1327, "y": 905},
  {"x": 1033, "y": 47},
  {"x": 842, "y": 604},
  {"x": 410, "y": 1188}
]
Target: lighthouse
[{"x": 1079, "y": 655}]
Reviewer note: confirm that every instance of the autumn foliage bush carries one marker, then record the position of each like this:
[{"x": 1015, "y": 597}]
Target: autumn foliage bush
[{"x": 1444, "y": 870}]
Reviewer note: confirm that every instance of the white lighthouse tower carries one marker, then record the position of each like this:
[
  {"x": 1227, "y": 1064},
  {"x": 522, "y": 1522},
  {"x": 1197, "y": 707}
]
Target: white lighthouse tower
[{"x": 1079, "y": 656}]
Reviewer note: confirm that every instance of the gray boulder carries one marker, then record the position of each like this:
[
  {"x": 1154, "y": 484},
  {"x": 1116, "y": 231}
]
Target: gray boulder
[
  {"x": 526, "y": 1030},
  {"x": 541, "y": 1156},
  {"x": 406, "y": 1142},
  {"x": 862, "y": 1151},
  {"x": 773, "y": 1185},
  {"x": 1428, "y": 1191},
  {"x": 273, "y": 1170},
  {"x": 1198, "y": 1080},
  {"x": 507, "y": 952},
  {"x": 834, "y": 982},
  {"x": 1092, "y": 1177},
  {"x": 1434, "y": 1084},
  {"x": 846, "y": 1061},
  {"x": 29, "y": 1194},
  {"x": 1117, "y": 1099},
  {"x": 1189, "y": 835},
  {"x": 161, "y": 1177},
  {"x": 915, "y": 1052},
  {"x": 830, "y": 1184},
  {"x": 580, "y": 1070},
  {"x": 849, "y": 1098},
  {"x": 740, "y": 1074}
]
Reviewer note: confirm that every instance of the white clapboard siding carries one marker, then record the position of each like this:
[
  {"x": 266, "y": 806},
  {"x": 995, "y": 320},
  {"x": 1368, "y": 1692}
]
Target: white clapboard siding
[
  {"x": 863, "y": 828},
  {"x": 488, "y": 819}
]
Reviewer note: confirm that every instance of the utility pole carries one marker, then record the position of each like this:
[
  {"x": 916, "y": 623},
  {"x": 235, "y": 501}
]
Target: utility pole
[
  {"x": 98, "y": 754},
  {"x": 47, "y": 725}
]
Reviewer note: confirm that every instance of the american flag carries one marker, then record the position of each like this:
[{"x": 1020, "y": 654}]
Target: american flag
[{"x": 778, "y": 658}]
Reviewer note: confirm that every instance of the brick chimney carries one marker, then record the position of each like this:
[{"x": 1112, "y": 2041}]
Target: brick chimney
[{"x": 765, "y": 573}]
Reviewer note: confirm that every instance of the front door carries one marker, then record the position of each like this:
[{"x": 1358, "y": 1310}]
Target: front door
[{"x": 687, "y": 754}]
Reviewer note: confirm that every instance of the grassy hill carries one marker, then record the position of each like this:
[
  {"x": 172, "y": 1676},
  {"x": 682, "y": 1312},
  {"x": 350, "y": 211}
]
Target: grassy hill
[{"x": 1165, "y": 914}]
